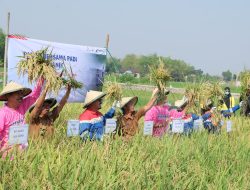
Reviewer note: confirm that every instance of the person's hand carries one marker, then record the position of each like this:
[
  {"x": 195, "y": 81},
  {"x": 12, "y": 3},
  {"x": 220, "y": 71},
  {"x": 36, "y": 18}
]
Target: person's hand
[
  {"x": 68, "y": 87},
  {"x": 158, "y": 125},
  {"x": 213, "y": 109},
  {"x": 41, "y": 80},
  {"x": 155, "y": 92},
  {"x": 241, "y": 103},
  {"x": 116, "y": 104}
]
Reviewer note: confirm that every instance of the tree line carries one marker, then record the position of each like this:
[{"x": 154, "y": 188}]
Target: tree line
[{"x": 179, "y": 69}]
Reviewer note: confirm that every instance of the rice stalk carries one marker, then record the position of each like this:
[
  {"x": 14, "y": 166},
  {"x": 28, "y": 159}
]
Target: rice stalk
[
  {"x": 68, "y": 78},
  {"x": 245, "y": 83},
  {"x": 160, "y": 77},
  {"x": 113, "y": 91},
  {"x": 37, "y": 64}
]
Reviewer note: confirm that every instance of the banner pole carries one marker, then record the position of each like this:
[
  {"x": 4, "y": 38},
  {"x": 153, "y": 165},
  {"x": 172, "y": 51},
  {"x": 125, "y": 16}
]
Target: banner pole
[
  {"x": 6, "y": 51},
  {"x": 107, "y": 41}
]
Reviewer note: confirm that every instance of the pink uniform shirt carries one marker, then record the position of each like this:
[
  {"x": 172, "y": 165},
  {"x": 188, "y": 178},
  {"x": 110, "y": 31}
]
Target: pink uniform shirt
[
  {"x": 159, "y": 115},
  {"x": 10, "y": 117}
]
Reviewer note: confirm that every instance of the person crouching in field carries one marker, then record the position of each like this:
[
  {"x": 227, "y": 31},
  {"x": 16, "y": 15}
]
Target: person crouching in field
[
  {"x": 128, "y": 121},
  {"x": 159, "y": 114},
  {"x": 18, "y": 100},
  {"x": 41, "y": 117},
  {"x": 92, "y": 121}
]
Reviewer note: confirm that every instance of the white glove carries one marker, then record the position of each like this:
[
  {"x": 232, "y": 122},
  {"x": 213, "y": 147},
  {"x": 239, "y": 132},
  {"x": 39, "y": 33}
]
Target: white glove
[
  {"x": 116, "y": 104},
  {"x": 240, "y": 104},
  {"x": 213, "y": 109}
]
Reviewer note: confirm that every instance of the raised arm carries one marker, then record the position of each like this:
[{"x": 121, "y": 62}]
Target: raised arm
[
  {"x": 152, "y": 101},
  {"x": 32, "y": 97},
  {"x": 141, "y": 112},
  {"x": 38, "y": 106},
  {"x": 64, "y": 100}
]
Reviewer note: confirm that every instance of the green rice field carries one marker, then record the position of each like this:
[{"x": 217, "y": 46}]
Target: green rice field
[{"x": 201, "y": 161}]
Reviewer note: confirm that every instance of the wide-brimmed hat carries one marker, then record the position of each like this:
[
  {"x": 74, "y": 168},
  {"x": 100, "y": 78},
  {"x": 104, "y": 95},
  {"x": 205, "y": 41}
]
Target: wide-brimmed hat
[
  {"x": 126, "y": 100},
  {"x": 207, "y": 104},
  {"x": 13, "y": 87},
  {"x": 50, "y": 101},
  {"x": 181, "y": 103},
  {"x": 92, "y": 96}
]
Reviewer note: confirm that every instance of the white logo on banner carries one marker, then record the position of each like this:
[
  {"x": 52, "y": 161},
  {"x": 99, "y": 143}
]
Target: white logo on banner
[
  {"x": 148, "y": 128},
  {"x": 110, "y": 126},
  {"x": 18, "y": 134},
  {"x": 229, "y": 126},
  {"x": 73, "y": 128},
  {"x": 178, "y": 126}
]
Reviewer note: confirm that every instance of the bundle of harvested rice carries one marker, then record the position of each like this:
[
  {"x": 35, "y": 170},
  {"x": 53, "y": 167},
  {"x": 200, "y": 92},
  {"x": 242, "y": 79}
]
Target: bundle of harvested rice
[
  {"x": 160, "y": 77},
  {"x": 245, "y": 88},
  {"x": 114, "y": 92},
  {"x": 68, "y": 78},
  {"x": 245, "y": 83},
  {"x": 211, "y": 91},
  {"x": 35, "y": 65},
  {"x": 193, "y": 94}
]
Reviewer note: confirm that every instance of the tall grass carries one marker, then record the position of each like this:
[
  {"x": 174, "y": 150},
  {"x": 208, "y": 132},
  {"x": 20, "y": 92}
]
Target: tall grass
[{"x": 201, "y": 161}]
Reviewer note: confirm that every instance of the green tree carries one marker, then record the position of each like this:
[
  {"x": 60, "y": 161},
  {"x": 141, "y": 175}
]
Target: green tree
[
  {"x": 227, "y": 75},
  {"x": 2, "y": 45},
  {"x": 113, "y": 65}
]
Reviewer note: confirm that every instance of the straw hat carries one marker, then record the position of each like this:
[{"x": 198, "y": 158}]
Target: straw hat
[
  {"x": 126, "y": 100},
  {"x": 13, "y": 87},
  {"x": 181, "y": 103},
  {"x": 51, "y": 101},
  {"x": 92, "y": 96},
  {"x": 207, "y": 104}
]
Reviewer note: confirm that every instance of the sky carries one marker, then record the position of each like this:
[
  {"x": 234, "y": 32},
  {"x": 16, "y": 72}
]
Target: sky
[{"x": 212, "y": 35}]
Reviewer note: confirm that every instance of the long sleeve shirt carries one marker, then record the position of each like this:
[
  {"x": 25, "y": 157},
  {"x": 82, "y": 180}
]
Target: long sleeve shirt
[
  {"x": 189, "y": 121},
  {"x": 92, "y": 124},
  {"x": 10, "y": 117},
  {"x": 227, "y": 113}
]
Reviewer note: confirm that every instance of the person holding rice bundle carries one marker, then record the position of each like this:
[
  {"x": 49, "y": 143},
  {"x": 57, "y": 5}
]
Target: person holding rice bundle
[
  {"x": 41, "y": 117},
  {"x": 188, "y": 118},
  {"x": 227, "y": 113},
  {"x": 18, "y": 100},
  {"x": 159, "y": 114},
  {"x": 214, "y": 123},
  {"x": 128, "y": 121},
  {"x": 92, "y": 121}
]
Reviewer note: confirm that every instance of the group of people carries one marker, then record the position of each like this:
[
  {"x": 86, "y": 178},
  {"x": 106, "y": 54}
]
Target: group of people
[
  {"x": 18, "y": 100},
  {"x": 43, "y": 112}
]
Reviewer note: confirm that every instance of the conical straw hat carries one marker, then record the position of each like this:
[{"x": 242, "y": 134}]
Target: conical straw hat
[
  {"x": 180, "y": 103},
  {"x": 13, "y": 87},
  {"x": 126, "y": 100},
  {"x": 92, "y": 96}
]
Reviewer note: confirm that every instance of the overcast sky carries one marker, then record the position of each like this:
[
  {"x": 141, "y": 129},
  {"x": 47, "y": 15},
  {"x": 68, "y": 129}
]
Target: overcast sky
[{"x": 213, "y": 35}]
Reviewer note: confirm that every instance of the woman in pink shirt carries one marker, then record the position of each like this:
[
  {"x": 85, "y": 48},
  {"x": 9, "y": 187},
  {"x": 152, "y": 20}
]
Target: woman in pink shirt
[
  {"x": 159, "y": 114},
  {"x": 18, "y": 100}
]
